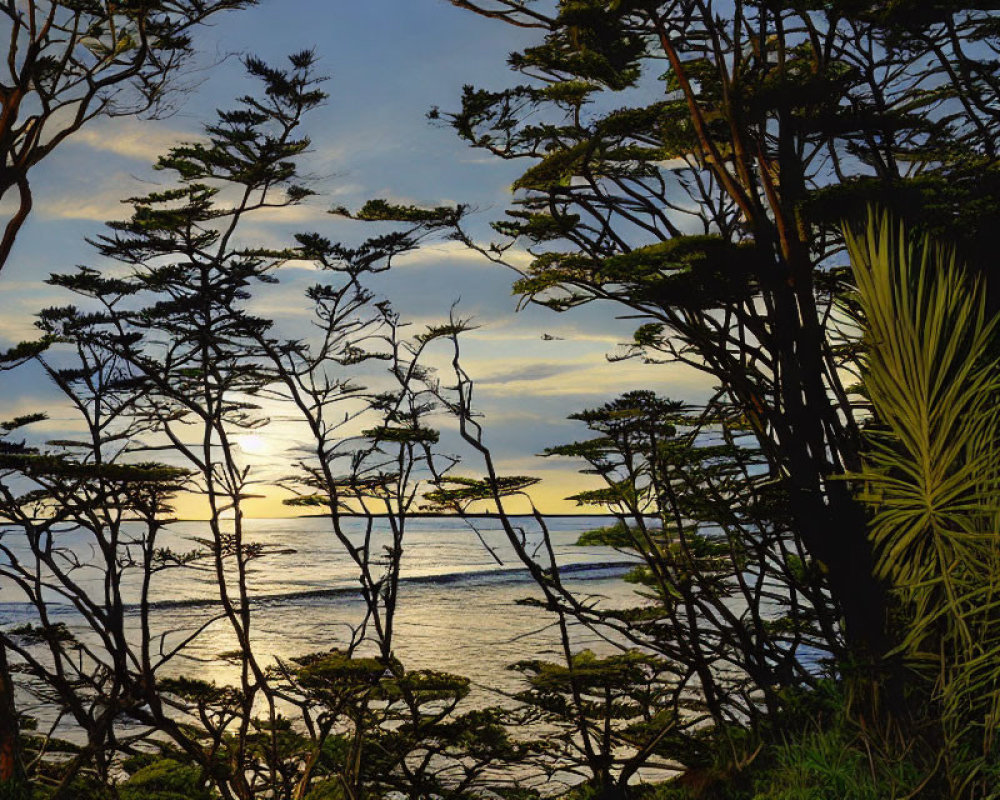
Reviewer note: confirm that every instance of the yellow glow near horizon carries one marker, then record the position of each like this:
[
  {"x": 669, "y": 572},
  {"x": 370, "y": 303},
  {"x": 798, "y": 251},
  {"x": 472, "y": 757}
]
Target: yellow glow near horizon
[{"x": 549, "y": 496}]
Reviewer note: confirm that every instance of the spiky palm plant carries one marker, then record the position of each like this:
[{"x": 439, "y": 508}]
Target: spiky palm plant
[{"x": 932, "y": 475}]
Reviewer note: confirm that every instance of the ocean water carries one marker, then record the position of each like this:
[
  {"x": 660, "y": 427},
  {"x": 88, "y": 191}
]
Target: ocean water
[{"x": 458, "y": 602}]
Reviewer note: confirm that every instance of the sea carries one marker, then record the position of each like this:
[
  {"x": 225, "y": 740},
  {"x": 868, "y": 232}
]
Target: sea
[{"x": 460, "y": 606}]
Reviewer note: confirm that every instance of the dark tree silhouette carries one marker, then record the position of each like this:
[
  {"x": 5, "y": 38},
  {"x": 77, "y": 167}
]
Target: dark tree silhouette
[
  {"x": 693, "y": 162},
  {"x": 731, "y": 613},
  {"x": 170, "y": 361},
  {"x": 68, "y": 63}
]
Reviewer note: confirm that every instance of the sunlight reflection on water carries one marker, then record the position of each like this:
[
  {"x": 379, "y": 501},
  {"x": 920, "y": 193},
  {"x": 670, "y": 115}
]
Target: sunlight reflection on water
[{"x": 458, "y": 607}]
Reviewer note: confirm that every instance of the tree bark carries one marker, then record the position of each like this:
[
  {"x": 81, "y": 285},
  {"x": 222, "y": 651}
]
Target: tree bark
[{"x": 13, "y": 781}]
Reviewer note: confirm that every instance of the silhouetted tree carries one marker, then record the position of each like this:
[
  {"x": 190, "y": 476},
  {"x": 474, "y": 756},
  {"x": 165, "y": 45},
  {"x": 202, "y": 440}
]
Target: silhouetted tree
[
  {"x": 738, "y": 601},
  {"x": 693, "y": 162},
  {"x": 68, "y": 63},
  {"x": 731, "y": 611},
  {"x": 169, "y": 342},
  {"x": 81, "y": 526}
]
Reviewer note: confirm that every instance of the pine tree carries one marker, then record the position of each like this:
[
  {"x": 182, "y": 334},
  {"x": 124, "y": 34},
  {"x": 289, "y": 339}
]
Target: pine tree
[
  {"x": 693, "y": 164},
  {"x": 69, "y": 63}
]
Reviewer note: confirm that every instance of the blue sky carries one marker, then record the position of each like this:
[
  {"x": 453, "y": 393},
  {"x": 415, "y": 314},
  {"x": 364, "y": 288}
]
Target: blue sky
[{"x": 389, "y": 62}]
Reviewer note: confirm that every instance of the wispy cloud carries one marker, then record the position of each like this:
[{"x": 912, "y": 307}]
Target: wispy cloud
[
  {"x": 107, "y": 200},
  {"x": 16, "y": 328},
  {"x": 583, "y": 378},
  {"x": 96, "y": 207},
  {"x": 553, "y": 333},
  {"x": 526, "y": 373},
  {"x": 452, "y": 252},
  {"x": 140, "y": 140},
  {"x": 299, "y": 214}
]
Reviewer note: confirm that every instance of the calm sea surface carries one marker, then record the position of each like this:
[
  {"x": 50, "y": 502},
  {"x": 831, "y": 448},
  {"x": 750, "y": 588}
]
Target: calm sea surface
[{"x": 458, "y": 606}]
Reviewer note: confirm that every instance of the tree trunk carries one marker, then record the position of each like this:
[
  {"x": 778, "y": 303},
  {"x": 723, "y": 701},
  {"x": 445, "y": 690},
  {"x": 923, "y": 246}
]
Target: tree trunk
[
  {"x": 13, "y": 781},
  {"x": 814, "y": 454},
  {"x": 836, "y": 533},
  {"x": 612, "y": 790}
]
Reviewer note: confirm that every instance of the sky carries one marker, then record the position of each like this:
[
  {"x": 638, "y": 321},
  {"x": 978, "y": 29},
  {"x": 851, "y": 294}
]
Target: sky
[{"x": 388, "y": 62}]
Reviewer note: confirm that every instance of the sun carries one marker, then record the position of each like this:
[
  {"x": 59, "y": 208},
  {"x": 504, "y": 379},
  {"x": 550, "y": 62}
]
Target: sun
[{"x": 253, "y": 444}]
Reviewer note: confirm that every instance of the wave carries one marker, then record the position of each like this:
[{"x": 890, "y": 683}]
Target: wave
[{"x": 510, "y": 575}]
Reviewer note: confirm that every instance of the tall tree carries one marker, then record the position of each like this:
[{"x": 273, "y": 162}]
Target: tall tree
[
  {"x": 729, "y": 604},
  {"x": 168, "y": 341},
  {"x": 178, "y": 320},
  {"x": 690, "y": 161},
  {"x": 69, "y": 62}
]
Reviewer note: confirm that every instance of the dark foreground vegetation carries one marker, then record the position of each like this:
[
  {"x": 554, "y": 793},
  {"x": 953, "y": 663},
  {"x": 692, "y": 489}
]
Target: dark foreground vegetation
[{"x": 799, "y": 199}]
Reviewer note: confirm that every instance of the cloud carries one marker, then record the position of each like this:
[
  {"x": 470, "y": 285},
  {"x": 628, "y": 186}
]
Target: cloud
[
  {"x": 98, "y": 199},
  {"x": 455, "y": 252},
  {"x": 107, "y": 200},
  {"x": 16, "y": 328},
  {"x": 531, "y": 371},
  {"x": 93, "y": 207},
  {"x": 566, "y": 333},
  {"x": 19, "y": 302},
  {"x": 299, "y": 214},
  {"x": 586, "y": 377},
  {"x": 139, "y": 140}
]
